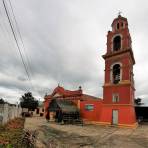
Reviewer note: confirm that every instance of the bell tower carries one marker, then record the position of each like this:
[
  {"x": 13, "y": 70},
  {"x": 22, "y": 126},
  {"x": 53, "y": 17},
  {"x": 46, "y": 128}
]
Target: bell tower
[{"x": 118, "y": 89}]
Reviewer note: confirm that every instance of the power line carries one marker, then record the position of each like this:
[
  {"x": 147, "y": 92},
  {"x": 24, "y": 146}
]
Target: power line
[
  {"x": 15, "y": 38},
  {"x": 24, "y": 48},
  {"x": 5, "y": 30},
  {"x": 18, "y": 30}
]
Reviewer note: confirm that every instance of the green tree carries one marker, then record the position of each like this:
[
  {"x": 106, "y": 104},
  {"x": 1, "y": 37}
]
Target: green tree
[
  {"x": 2, "y": 101},
  {"x": 28, "y": 101},
  {"x": 138, "y": 101}
]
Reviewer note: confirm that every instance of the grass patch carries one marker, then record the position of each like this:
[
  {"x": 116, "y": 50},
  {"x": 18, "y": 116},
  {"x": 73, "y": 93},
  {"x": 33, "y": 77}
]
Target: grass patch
[{"x": 11, "y": 132}]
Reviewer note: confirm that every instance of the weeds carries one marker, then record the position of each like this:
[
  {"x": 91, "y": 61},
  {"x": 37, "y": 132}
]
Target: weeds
[{"x": 11, "y": 132}]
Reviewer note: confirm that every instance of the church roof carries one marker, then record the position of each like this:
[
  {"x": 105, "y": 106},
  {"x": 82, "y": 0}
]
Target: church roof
[
  {"x": 60, "y": 92},
  {"x": 63, "y": 92},
  {"x": 89, "y": 97},
  {"x": 64, "y": 105}
]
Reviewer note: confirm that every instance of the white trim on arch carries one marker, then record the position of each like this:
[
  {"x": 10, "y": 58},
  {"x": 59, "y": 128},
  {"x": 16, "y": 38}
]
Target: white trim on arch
[
  {"x": 113, "y": 41},
  {"x": 111, "y": 71}
]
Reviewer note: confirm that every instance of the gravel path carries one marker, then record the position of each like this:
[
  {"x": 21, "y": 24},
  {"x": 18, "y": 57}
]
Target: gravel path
[{"x": 52, "y": 135}]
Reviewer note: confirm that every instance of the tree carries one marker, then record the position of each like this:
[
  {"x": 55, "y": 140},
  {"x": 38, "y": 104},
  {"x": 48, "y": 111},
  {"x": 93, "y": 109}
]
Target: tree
[
  {"x": 138, "y": 101},
  {"x": 28, "y": 101},
  {"x": 2, "y": 101}
]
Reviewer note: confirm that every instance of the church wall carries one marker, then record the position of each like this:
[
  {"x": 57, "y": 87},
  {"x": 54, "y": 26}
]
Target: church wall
[
  {"x": 92, "y": 113},
  {"x": 125, "y": 114},
  {"x": 123, "y": 91}
]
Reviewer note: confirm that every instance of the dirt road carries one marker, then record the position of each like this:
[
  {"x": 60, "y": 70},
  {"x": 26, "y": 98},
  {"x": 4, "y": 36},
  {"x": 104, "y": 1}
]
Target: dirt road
[{"x": 52, "y": 135}]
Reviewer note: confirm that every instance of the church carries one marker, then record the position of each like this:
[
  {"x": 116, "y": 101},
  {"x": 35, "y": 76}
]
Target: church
[{"x": 117, "y": 106}]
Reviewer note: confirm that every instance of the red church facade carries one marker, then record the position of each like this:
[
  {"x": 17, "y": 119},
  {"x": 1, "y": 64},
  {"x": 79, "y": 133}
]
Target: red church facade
[
  {"x": 117, "y": 105},
  {"x": 118, "y": 90},
  {"x": 89, "y": 106}
]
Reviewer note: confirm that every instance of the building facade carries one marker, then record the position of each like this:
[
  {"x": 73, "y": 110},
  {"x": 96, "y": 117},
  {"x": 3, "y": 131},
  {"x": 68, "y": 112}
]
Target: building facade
[
  {"x": 89, "y": 106},
  {"x": 118, "y": 90},
  {"x": 117, "y": 106}
]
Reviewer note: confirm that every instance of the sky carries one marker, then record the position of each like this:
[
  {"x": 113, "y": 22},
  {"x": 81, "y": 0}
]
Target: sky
[{"x": 63, "y": 43}]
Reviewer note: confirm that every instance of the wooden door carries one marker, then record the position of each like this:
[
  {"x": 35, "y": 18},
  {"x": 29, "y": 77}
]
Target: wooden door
[{"x": 115, "y": 117}]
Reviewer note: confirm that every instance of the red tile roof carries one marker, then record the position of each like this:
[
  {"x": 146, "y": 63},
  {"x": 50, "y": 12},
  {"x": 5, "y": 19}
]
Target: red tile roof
[
  {"x": 68, "y": 93},
  {"x": 63, "y": 92},
  {"x": 89, "y": 97}
]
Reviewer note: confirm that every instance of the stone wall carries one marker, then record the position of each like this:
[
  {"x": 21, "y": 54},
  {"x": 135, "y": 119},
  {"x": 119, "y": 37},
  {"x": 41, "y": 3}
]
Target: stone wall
[{"x": 8, "y": 112}]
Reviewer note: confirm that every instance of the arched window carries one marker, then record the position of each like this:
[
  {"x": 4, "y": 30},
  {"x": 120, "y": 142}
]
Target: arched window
[
  {"x": 117, "y": 43},
  {"x": 122, "y": 25},
  {"x": 118, "y": 26},
  {"x": 116, "y": 74}
]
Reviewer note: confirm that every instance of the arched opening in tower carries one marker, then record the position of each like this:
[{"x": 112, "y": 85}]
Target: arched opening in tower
[
  {"x": 117, "y": 25},
  {"x": 117, "y": 43},
  {"x": 116, "y": 73}
]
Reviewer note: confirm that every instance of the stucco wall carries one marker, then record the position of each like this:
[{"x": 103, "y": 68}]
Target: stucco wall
[
  {"x": 8, "y": 112},
  {"x": 91, "y": 115}
]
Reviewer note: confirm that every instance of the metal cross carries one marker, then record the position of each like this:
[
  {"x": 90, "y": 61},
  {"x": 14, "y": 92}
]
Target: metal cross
[{"x": 119, "y": 13}]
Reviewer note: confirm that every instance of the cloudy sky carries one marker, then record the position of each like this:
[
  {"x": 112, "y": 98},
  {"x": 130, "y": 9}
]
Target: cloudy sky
[{"x": 64, "y": 41}]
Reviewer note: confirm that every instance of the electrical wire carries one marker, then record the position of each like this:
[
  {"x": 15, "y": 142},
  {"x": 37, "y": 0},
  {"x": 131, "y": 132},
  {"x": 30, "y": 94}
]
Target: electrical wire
[
  {"x": 23, "y": 45},
  {"x": 4, "y": 29},
  {"x": 16, "y": 41},
  {"x": 18, "y": 30}
]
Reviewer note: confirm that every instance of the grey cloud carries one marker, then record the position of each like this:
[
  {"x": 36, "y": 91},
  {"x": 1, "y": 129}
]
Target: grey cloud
[{"x": 64, "y": 41}]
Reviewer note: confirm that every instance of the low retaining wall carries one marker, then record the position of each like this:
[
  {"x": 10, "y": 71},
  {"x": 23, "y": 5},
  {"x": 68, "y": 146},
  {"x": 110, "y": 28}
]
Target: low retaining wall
[{"x": 8, "y": 112}]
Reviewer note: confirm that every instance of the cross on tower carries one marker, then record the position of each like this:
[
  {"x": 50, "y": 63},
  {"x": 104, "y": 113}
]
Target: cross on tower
[{"x": 119, "y": 13}]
